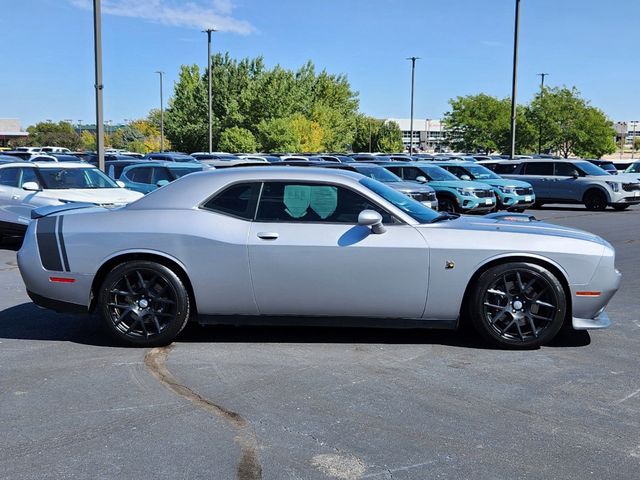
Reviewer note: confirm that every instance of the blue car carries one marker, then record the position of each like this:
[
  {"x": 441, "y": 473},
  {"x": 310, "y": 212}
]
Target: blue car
[
  {"x": 145, "y": 177},
  {"x": 512, "y": 195},
  {"x": 454, "y": 195}
]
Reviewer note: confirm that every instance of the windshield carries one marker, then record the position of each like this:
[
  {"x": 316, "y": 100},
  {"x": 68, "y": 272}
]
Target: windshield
[
  {"x": 591, "y": 169},
  {"x": 478, "y": 172},
  {"x": 378, "y": 173},
  {"x": 411, "y": 207},
  {"x": 633, "y": 168},
  {"x": 181, "y": 172},
  {"x": 438, "y": 174},
  {"x": 62, "y": 178}
]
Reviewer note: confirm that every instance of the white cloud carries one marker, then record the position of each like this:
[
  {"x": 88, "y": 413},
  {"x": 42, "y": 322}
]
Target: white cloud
[{"x": 195, "y": 14}]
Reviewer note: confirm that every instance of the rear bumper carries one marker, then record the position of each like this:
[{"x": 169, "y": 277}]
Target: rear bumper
[{"x": 56, "y": 305}]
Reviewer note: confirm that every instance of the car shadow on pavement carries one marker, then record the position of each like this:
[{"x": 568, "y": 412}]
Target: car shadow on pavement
[
  {"x": 28, "y": 322},
  {"x": 11, "y": 243}
]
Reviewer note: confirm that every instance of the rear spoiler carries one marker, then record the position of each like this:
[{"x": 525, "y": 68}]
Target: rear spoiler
[
  {"x": 46, "y": 211},
  {"x": 512, "y": 217}
]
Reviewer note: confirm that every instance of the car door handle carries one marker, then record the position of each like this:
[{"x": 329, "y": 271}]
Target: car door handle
[
  {"x": 16, "y": 197},
  {"x": 268, "y": 235}
]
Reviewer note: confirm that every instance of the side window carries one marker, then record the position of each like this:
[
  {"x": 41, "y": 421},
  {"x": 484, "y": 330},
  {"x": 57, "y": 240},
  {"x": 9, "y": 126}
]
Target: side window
[
  {"x": 300, "y": 202},
  {"x": 457, "y": 171},
  {"x": 399, "y": 171},
  {"x": 411, "y": 173},
  {"x": 538, "y": 168},
  {"x": 504, "y": 168},
  {"x": 237, "y": 200},
  {"x": 565, "y": 169},
  {"x": 28, "y": 175},
  {"x": 9, "y": 177},
  {"x": 161, "y": 173},
  {"x": 140, "y": 175}
]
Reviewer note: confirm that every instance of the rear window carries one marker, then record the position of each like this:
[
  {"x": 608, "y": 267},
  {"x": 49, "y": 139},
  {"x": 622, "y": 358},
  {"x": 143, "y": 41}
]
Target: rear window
[{"x": 237, "y": 201}]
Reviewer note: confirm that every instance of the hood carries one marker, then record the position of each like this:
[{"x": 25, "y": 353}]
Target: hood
[
  {"x": 410, "y": 187},
  {"x": 98, "y": 196},
  {"x": 503, "y": 182},
  {"x": 468, "y": 222},
  {"x": 460, "y": 184},
  {"x": 621, "y": 177}
]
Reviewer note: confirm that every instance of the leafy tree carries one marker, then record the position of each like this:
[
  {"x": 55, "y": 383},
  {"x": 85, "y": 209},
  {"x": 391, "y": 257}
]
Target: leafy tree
[
  {"x": 483, "y": 123},
  {"x": 636, "y": 143},
  {"x": 570, "y": 125},
  {"x": 390, "y": 138},
  {"x": 88, "y": 140},
  {"x": 276, "y": 135},
  {"x": 309, "y": 134},
  {"x": 237, "y": 139},
  {"x": 61, "y": 134},
  {"x": 376, "y": 136}
]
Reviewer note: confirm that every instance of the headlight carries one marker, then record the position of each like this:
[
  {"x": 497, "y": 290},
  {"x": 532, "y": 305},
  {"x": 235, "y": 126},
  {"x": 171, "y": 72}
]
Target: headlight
[
  {"x": 511, "y": 190},
  {"x": 615, "y": 186},
  {"x": 465, "y": 192}
]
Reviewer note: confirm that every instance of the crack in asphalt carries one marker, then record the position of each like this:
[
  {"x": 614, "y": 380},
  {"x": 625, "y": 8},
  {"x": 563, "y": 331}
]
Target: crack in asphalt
[{"x": 249, "y": 467}]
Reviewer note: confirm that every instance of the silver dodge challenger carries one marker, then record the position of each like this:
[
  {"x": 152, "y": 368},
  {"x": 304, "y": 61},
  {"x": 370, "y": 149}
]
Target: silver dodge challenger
[{"x": 309, "y": 246}]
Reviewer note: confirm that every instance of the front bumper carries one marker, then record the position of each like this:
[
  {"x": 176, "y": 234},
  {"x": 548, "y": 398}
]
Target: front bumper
[
  {"x": 475, "y": 204},
  {"x": 508, "y": 201},
  {"x": 625, "y": 198}
]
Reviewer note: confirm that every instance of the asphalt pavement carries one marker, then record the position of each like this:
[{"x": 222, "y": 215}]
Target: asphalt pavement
[{"x": 316, "y": 403}]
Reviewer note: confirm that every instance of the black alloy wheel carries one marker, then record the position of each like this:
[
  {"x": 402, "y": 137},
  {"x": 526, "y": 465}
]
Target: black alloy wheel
[
  {"x": 144, "y": 304},
  {"x": 518, "y": 305},
  {"x": 595, "y": 201},
  {"x": 447, "y": 204}
]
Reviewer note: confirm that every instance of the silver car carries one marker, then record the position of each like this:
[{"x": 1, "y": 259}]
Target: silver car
[{"x": 312, "y": 246}]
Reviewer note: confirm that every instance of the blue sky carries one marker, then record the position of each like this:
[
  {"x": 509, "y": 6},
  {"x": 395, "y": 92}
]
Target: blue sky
[{"x": 465, "y": 48}]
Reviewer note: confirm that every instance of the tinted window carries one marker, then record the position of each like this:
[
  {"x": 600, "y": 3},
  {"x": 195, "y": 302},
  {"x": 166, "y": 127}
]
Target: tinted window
[
  {"x": 181, "y": 172},
  {"x": 160, "y": 174},
  {"x": 9, "y": 177},
  {"x": 590, "y": 169},
  {"x": 565, "y": 169},
  {"x": 238, "y": 200},
  {"x": 411, "y": 173},
  {"x": 140, "y": 175},
  {"x": 415, "y": 209},
  {"x": 538, "y": 168},
  {"x": 62, "y": 178},
  {"x": 300, "y": 202},
  {"x": 503, "y": 168},
  {"x": 28, "y": 175}
]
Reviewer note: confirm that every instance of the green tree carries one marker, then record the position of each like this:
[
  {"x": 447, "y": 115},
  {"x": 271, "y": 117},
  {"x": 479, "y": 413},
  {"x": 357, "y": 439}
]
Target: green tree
[
  {"x": 276, "y": 135},
  {"x": 376, "y": 136},
  {"x": 390, "y": 138},
  {"x": 482, "y": 122},
  {"x": 88, "y": 140},
  {"x": 237, "y": 139},
  {"x": 309, "y": 134},
  {"x": 570, "y": 125},
  {"x": 60, "y": 134},
  {"x": 636, "y": 143}
]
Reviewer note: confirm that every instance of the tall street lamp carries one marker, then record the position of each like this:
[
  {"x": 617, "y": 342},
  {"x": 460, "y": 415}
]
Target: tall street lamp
[
  {"x": 514, "y": 81},
  {"x": 161, "y": 114},
  {"x": 209, "y": 31},
  {"x": 97, "y": 47},
  {"x": 542, "y": 75},
  {"x": 413, "y": 78}
]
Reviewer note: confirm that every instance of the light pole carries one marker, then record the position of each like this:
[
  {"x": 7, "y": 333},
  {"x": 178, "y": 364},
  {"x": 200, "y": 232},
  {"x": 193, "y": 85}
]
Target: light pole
[
  {"x": 80, "y": 127},
  {"x": 162, "y": 115},
  {"x": 514, "y": 81},
  {"x": 634, "y": 125},
  {"x": 97, "y": 47},
  {"x": 413, "y": 78},
  {"x": 542, "y": 75},
  {"x": 209, "y": 31}
]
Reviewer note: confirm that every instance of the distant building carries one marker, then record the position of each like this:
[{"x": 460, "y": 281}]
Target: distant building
[
  {"x": 10, "y": 130},
  {"x": 627, "y": 130},
  {"x": 428, "y": 134}
]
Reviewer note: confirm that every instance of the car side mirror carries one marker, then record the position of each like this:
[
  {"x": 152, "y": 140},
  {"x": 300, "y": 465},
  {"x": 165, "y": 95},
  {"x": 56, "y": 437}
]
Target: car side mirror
[
  {"x": 465, "y": 178},
  {"x": 371, "y": 218},
  {"x": 162, "y": 183},
  {"x": 120, "y": 183},
  {"x": 575, "y": 175},
  {"x": 31, "y": 187},
  {"x": 421, "y": 179}
]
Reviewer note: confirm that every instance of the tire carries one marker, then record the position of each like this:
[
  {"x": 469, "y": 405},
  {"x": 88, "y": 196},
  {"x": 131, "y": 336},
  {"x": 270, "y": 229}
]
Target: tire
[
  {"x": 446, "y": 204},
  {"x": 615, "y": 207},
  {"x": 538, "y": 205},
  {"x": 517, "y": 305},
  {"x": 143, "y": 304},
  {"x": 595, "y": 200}
]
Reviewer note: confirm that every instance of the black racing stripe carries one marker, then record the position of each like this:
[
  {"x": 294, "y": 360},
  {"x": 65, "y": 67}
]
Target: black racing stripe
[
  {"x": 63, "y": 250},
  {"x": 47, "y": 244}
]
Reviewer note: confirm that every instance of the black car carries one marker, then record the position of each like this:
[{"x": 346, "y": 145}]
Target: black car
[
  {"x": 214, "y": 156},
  {"x": 65, "y": 157},
  {"x": 607, "y": 165},
  {"x": 169, "y": 157}
]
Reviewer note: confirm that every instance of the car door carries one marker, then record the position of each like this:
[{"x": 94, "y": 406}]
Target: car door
[
  {"x": 9, "y": 194},
  {"x": 308, "y": 256},
  {"x": 139, "y": 179},
  {"x": 540, "y": 176},
  {"x": 565, "y": 184}
]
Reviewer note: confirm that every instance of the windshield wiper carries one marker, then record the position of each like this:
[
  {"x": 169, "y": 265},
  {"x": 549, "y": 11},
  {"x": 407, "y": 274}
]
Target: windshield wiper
[{"x": 445, "y": 216}]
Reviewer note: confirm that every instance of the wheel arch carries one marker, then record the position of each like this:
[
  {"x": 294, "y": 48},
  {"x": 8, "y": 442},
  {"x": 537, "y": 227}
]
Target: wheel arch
[
  {"x": 598, "y": 189},
  {"x": 544, "y": 262},
  {"x": 150, "y": 255}
]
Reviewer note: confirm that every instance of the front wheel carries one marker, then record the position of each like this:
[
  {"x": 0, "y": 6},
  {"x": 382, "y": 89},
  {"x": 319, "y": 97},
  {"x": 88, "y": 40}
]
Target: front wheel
[
  {"x": 517, "y": 305},
  {"x": 447, "y": 204},
  {"x": 595, "y": 201},
  {"x": 144, "y": 304}
]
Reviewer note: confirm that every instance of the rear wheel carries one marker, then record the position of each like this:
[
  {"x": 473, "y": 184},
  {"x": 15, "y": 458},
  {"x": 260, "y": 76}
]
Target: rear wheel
[
  {"x": 144, "y": 303},
  {"x": 447, "y": 204},
  {"x": 517, "y": 305},
  {"x": 595, "y": 200},
  {"x": 620, "y": 207}
]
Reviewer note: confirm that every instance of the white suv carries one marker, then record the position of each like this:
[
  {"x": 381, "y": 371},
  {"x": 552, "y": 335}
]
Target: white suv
[{"x": 25, "y": 186}]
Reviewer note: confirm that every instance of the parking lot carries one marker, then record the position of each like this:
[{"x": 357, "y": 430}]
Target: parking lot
[{"x": 307, "y": 403}]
